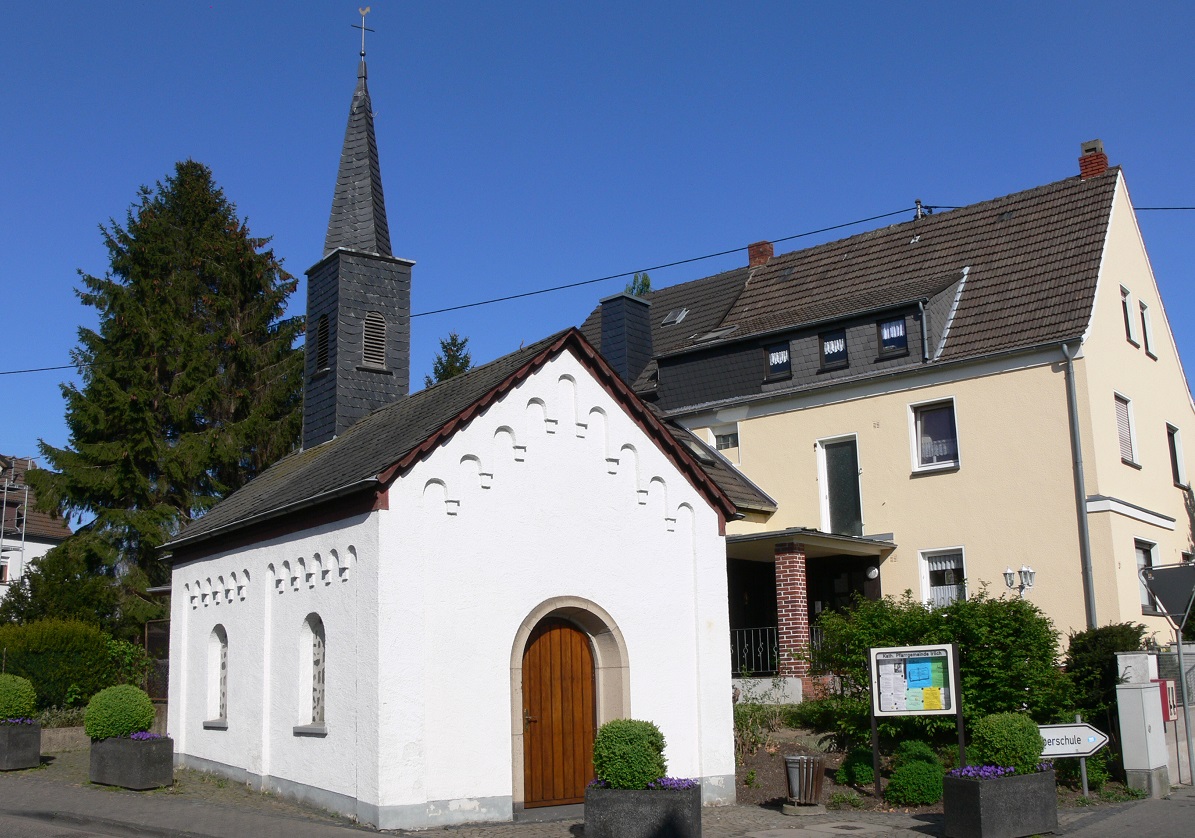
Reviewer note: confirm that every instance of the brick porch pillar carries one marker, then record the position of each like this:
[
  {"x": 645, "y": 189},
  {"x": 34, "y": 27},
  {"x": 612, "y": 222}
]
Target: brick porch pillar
[{"x": 792, "y": 608}]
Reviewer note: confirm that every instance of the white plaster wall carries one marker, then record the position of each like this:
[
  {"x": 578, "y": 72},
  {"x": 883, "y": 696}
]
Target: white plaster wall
[
  {"x": 18, "y": 561},
  {"x": 332, "y": 572},
  {"x": 539, "y": 498}
]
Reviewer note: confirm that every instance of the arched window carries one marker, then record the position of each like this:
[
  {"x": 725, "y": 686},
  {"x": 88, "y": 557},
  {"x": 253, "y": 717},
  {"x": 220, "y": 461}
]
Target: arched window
[
  {"x": 318, "y": 661},
  {"x": 217, "y": 680},
  {"x": 321, "y": 343},
  {"x": 373, "y": 351}
]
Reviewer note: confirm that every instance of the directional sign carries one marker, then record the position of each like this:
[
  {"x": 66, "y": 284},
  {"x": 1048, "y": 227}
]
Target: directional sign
[{"x": 1074, "y": 740}]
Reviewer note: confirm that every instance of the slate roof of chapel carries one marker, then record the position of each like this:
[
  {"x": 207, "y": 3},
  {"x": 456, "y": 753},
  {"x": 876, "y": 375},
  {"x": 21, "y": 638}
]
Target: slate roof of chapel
[
  {"x": 408, "y": 428},
  {"x": 1032, "y": 261}
]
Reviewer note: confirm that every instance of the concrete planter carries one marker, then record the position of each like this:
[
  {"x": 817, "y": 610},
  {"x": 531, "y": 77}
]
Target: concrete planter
[
  {"x": 622, "y": 813},
  {"x": 1001, "y": 807},
  {"x": 132, "y": 763},
  {"x": 20, "y": 746}
]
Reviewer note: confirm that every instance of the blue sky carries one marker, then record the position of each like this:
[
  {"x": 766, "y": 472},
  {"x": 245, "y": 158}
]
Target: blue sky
[{"x": 526, "y": 145}]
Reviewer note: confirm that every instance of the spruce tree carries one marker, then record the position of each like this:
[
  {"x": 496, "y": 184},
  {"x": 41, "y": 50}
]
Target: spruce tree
[
  {"x": 452, "y": 359},
  {"x": 639, "y": 285},
  {"x": 190, "y": 385}
]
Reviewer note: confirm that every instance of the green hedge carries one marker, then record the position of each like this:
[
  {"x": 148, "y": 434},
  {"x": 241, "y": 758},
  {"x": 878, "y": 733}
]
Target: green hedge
[
  {"x": 68, "y": 661},
  {"x": 1010, "y": 740},
  {"x": 915, "y": 784},
  {"x": 628, "y": 754},
  {"x": 118, "y": 711},
  {"x": 17, "y": 697}
]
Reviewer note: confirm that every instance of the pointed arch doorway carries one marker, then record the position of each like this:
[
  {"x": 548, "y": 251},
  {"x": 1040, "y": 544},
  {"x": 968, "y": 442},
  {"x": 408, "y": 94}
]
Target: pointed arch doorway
[{"x": 568, "y": 676}]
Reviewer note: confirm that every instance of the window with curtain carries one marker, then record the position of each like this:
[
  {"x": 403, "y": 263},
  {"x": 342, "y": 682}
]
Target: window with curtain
[
  {"x": 893, "y": 339},
  {"x": 937, "y": 437},
  {"x": 1145, "y": 558},
  {"x": 947, "y": 582}
]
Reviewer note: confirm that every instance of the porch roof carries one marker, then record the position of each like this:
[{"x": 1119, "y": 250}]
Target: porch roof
[{"x": 759, "y": 546}]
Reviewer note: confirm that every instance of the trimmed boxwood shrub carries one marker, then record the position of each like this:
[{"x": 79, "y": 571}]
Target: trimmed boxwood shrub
[
  {"x": 915, "y": 784},
  {"x": 856, "y": 769},
  {"x": 118, "y": 711},
  {"x": 66, "y": 660},
  {"x": 912, "y": 750},
  {"x": 1010, "y": 740},
  {"x": 17, "y": 697},
  {"x": 629, "y": 754}
]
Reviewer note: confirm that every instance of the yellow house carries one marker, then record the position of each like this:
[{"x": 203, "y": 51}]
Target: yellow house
[{"x": 932, "y": 405}]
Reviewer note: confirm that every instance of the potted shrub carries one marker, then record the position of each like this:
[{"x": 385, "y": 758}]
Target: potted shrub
[
  {"x": 123, "y": 752},
  {"x": 631, "y": 797},
  {"x": 1007, "y": 792},
  {"x": 20, "y": 735}
]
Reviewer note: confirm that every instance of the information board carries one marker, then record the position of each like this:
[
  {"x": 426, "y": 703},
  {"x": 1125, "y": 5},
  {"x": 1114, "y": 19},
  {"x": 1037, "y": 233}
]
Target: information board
[{"x": 913, "y": 681}]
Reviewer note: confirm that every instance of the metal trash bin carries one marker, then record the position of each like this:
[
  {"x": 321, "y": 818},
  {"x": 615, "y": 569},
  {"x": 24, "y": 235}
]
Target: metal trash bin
[{"x": 805, "y": 775}]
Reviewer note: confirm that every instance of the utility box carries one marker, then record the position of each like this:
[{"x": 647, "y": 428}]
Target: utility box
[
  {"x": 1169, "y": 696},
  {"x": 1143, "y": 738}
]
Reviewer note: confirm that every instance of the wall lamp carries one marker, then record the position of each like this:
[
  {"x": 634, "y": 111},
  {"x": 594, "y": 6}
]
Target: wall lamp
[{"x": 1026, "y": 575}]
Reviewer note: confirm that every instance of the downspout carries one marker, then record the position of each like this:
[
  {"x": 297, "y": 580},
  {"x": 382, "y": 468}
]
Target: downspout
[
  {"x": 924, "y": 332},
  {"x": 1072, "y": 403}
]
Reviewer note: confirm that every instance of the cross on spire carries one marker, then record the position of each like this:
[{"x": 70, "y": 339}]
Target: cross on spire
[{"x": 363, "y": 28}]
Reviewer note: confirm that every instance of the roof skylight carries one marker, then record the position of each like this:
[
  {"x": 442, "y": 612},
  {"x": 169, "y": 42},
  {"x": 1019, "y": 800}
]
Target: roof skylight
[{"x": 675, "y": 316}]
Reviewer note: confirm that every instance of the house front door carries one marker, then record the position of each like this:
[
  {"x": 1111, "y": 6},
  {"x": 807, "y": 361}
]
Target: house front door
[{"x": 558, "y": 714}]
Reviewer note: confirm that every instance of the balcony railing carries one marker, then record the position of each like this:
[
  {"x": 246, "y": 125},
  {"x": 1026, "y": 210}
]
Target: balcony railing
[{"x": 756, "y": 651}]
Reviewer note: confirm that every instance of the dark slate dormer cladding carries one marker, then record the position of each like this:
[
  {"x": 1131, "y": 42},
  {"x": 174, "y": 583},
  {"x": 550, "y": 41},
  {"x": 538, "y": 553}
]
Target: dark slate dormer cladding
[{"x": 358, "y": 278}]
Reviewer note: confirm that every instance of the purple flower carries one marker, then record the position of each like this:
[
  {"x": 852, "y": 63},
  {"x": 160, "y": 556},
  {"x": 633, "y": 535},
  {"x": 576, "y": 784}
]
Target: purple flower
[
  {"x": 981, "y": 772},
  {"x": 21, "y": 720},
  {"x": 678, "y": 783},
  {"x": 595, "y": 783},
  {"x": 144, "y": 736}
]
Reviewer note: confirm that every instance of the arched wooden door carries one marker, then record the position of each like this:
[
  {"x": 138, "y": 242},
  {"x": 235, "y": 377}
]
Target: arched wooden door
[{"x": 558, "y": 714}]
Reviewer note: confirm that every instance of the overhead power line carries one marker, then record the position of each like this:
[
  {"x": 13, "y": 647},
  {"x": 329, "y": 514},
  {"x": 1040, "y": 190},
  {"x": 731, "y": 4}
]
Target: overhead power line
[{"x": 622, "y": 275}]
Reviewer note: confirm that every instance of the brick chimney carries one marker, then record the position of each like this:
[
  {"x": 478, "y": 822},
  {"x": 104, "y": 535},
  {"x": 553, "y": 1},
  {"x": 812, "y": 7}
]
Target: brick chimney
[
  {"x": 758, "y": 254},
  {"x": 1092, "y": 160}
]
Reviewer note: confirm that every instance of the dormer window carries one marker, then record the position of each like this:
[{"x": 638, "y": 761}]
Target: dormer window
[
  {"x": 780, "y": 365},
  {"x": 373, "y": 352},
  {"x": 892, "y": 337},
  {"x": 675, "y": 316},
  {"x": 833, "y": 349}
]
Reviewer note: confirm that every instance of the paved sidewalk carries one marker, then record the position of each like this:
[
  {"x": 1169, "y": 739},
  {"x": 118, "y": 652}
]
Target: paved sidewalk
[{"x": 32, "y": 806}]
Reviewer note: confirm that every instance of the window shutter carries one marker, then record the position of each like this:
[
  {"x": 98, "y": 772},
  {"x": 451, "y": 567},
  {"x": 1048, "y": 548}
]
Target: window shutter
[
  {"x": 374, "y": 350},
  {"x": 1123, "y": 429},
  {"x": 321, "y": 343}
]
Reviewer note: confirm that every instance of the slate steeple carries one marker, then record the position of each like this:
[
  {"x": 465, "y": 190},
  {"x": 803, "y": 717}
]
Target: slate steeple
[
  {"x": 358, "y": 219},
  {"x": 358, "y": 294}
]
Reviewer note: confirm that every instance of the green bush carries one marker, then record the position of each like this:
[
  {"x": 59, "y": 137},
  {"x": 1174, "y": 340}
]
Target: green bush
[
  {"x": 18, "y": 699},
  {"x": 1008, "y": 656},
  {"x": 118, "y": 711},
  {"x": 1010, "y": 740},
  {"x": 749, "y": 732},
  {"x": 1093, "y": 673},
  {"x": 628, "y": 754},
  {"x": 856, "y": 769},
  {"x": 53, "y": 717},
  {"x": 1098, "y": 772},
  {"x": 66, "y": 660},
  {"x": 915, "y": 784},
  {"x": 814, "y": 714},
  {"x": 912, "y": 750}
]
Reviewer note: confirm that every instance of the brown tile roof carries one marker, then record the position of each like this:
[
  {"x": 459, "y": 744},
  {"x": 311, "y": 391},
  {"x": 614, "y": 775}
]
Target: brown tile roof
[
  {"x": 39, "y": 525},
  {"x": 1032, "y": 256},
  {"x": 1032, "y": 259},
  {"x": 392, "y": 438}
]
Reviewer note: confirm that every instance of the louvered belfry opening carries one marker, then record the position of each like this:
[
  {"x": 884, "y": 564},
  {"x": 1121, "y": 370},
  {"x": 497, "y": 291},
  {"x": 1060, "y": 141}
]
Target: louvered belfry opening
[
  {"x": 358, "y": 294},
  {"x": 373, "y": 352}
]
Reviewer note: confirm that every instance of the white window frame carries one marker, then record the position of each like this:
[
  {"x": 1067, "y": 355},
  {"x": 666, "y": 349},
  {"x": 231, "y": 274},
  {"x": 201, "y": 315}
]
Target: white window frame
[
  {"x": 915, "y": 442},
  {"x": 1174, "y": 448},
  {"x": 923, "y": 557},
  {"x": 823, "y": 478},
  {"x": 1147, "y": 332},
  {"x": 1126, "y": 310},
  {"x": 1146, "y": 596},
  {"x": 1132, "y": 460},
  {"x": 731, "y": 453}
]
